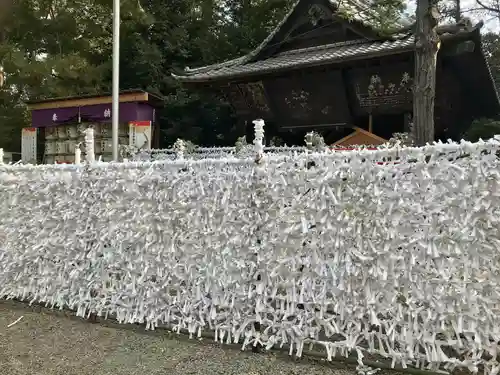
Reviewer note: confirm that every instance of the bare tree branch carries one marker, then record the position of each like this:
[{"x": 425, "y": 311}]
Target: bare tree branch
[{"x": 488, "y": 8}]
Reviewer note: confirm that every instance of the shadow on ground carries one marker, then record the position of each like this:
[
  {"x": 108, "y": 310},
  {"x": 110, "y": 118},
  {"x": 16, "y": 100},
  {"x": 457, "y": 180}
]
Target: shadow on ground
[{"x": 46, "y": 343}]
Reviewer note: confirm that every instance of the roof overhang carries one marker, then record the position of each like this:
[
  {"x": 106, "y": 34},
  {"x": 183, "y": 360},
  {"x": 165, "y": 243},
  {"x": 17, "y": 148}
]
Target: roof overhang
[
  {"x": 318, "y": 56},
  {"x": 126, "y": 96},
  {"x": 354, "y": 12}
]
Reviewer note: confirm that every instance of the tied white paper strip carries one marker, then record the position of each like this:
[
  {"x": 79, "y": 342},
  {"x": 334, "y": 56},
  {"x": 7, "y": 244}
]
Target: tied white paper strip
[
  {"x": 15, "y": 321},
  {"x": 214, "y": 153},
  {"x": 391, "y": 259},
  {"x": 89, "y": 145}
]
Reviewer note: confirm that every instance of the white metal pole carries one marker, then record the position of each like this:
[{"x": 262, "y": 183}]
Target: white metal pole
[{"x": 116, "y": 77}]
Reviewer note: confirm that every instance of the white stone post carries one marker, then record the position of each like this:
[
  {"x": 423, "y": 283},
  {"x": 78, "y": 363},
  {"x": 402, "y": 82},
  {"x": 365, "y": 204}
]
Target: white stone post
[
  {"x": 89, "y": 145},
  {"x": 1, "y": 155},
  {"x": 309, "y": 140},
  {"x": 258, "y": 139},
  {"x": 257, "y": 203},
  {"x": 78, "y": 154},
  {"x": 180, "y": 147}
]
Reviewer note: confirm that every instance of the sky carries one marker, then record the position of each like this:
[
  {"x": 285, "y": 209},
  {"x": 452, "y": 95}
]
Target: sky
[{"x": 469, "y": 9}]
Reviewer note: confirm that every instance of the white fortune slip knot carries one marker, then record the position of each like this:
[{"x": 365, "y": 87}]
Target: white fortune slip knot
[
  {"x": 258, "y": 138},
  {"x": 89, "y": 145},
  {"x": 393, "y": 258}
]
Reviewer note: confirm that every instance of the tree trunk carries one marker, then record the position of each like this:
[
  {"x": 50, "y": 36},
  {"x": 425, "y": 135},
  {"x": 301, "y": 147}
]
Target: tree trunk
[
  {"x": 426, "y": 49},
  {"x": 458, "y": 11}
]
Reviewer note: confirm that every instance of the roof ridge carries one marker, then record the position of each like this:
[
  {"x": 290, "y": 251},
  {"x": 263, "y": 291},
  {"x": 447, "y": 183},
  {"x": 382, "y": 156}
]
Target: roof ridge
[
  {"x": 252, "y": 54},
  {"x": 349, "y": 51},
  {"x": 326, "y": 46},
  {"x": 273, "y": 33},
  {"x": 326, "y": 54},
  {"x": 444, "y": 28}
]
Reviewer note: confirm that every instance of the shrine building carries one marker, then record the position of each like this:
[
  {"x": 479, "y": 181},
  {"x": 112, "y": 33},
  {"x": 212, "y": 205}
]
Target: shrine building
[
  {"x": 347, "y": 78},
  {"x": 57, "y": 125}
]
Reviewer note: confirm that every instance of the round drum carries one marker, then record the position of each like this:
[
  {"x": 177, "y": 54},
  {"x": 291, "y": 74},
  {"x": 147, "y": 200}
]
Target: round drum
[
  {"x": 61, "y": 132},
  {"x": 61, "y": 147},
  {"x": 72, "y": 131},
  {"x": 50, "y": 133},
  {"x": 70, "y": 147},
  {"x": 50, "y": 148}
]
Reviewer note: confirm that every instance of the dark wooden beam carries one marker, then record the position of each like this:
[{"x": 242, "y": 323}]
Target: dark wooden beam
[{"x": 349, "y": 92}]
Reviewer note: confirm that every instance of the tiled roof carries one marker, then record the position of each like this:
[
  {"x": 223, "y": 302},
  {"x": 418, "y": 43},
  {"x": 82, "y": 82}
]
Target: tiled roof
[
  {"x": 306, "y": 57},
  {"x": 319, "y": 55},
  {"x": 355, "y": 10}
]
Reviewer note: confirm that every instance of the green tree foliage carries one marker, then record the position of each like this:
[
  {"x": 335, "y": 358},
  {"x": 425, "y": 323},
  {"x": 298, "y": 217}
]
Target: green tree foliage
[
  {"x": 487, "y": 128},
  {"x": 482, "y": 129},
  {"x": 491, "y": 46},
  {"x": 52, "y": 48},
  {"x": 41, "y": 55}
]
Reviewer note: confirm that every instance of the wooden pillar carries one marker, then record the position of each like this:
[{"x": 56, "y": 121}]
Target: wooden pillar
[
  {"x": 248, "y": 131},
  {"x": 156, "y": 133},
  {"x": 427, "y": 45},
  {"x": 407, "y": 122},
  {"x": 370, "y": 123}
]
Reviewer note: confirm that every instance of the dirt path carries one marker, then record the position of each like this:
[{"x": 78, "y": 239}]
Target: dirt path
[{"x": 47, "y": 343}]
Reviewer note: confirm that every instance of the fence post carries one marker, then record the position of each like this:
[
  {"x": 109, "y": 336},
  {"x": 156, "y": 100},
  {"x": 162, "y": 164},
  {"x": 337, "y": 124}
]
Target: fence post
[
  {"x": 78, "y": 154},
  {"x": 309, "y": 140},
  {"x": 258, "y": 139},
  {"x": 179, "y": 147},
  {"x": 1, "y": 155},
  {"x": 259, "y": 160},
  {"x": 89, "y": 145}
]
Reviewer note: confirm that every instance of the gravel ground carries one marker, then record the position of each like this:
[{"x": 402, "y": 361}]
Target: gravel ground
[{"x": 44, "y": 342}]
